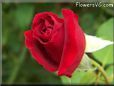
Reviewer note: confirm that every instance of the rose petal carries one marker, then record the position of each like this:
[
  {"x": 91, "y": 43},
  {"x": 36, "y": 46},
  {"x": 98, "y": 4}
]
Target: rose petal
[
  {"x": 42, "y": 16},
  {"x": 44, "y": 59},
  {"x": 39, "y": 53},
  {"x": 29, "y": 42},
  {"x": 74, "y": 44},
  {"x": 55, "y": 45}
]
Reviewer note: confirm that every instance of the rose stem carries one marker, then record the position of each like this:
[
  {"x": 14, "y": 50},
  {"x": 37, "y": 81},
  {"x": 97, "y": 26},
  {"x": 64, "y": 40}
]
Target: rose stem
[
  {"x": 17, "y": 67},
  {"x": 101, "y": 70}
]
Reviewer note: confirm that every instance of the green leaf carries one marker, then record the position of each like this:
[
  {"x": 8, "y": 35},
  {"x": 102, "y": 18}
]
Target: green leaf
[
  {"x": 90, "y": 78},
  {"x": 75, "y": 79},
  {"x": 105, "y": 55},
  {"x": 78, "y": 77},
  {"x": 110, "y": 73},
  {"x": 65, "y": 80},
  {"x": 105, "y": 31},
  {"x": 24, "y": 14}
]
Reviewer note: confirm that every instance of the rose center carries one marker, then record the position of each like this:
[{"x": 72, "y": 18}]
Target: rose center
[{"x": 46, "y": 31}]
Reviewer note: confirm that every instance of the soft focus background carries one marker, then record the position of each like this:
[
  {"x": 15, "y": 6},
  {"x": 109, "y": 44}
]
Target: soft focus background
[{"x": 18, "y": 64}]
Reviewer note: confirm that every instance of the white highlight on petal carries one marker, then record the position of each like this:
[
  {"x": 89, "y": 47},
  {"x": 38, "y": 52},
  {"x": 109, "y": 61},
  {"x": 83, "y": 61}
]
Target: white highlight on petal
[{"x": 94, "y": 43}]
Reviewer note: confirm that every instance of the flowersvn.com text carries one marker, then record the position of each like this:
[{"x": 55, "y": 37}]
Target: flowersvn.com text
[{"x": 96, "y": 4}]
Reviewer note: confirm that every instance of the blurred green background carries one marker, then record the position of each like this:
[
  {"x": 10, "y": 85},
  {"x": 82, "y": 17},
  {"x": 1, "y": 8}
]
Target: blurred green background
[{"x": 18, "y": 64}]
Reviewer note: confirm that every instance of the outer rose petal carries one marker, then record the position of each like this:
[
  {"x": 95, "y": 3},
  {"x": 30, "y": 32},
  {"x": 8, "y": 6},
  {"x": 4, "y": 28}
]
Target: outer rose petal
[
  {"x": 28, "y": 39},
  {"x": 74, "y": 44},
  {"x": 36, "y": 51}
]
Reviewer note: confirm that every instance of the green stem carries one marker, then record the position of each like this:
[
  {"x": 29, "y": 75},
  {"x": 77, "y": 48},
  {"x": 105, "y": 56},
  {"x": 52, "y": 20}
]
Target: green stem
[
  {"x": 101, "y": 70},
  {"x": 97, "y": 78},
  {"x": 17, "y": 67}
]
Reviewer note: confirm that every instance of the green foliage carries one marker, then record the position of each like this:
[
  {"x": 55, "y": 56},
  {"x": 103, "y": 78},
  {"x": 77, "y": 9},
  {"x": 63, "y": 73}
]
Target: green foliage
[
  {"x": 87, "y": 21},
  {"x": 105, "y": 55},
  {"x": 24, "y": 14},
  {"x": 105, "y": 31},
  {"x": 80, "y": 77}
]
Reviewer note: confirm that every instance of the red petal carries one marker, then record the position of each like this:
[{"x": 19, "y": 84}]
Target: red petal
[
  {"x": 29, "y": 42},
  {"x": 39, "y": 53},
  {"x": 55, "y": 46},
  {"x": 74, "y": 44},
  {"x": 42, "y": 15}
]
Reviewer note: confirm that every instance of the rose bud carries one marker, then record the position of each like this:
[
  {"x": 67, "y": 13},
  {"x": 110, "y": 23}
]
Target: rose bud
[{"x": 58, "y": 44}]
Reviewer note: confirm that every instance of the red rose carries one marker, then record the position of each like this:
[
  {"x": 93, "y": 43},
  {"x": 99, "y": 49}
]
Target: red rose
[{"x": 57, "y": 44}]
